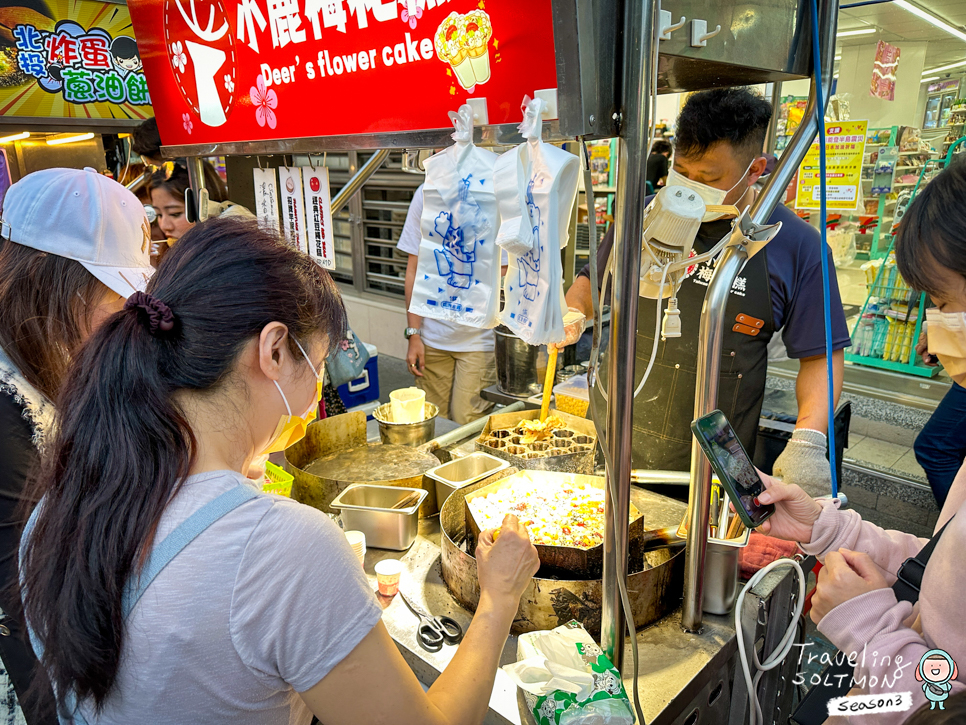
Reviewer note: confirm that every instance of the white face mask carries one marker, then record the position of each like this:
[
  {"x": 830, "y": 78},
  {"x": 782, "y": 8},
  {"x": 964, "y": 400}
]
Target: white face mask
[
  {"x": 946, "y": 333},
  {"x": 710, "y": 195}
]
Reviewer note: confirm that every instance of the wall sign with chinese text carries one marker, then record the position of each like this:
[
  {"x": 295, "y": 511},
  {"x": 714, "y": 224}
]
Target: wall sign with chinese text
[
  {"x": 293, "y": 206},
  {"x": 70, "y": 59},
  {"x": 318, "y": 215},
  {"x": 844, "y": 149},
  {"x": 224, "y": 71}
]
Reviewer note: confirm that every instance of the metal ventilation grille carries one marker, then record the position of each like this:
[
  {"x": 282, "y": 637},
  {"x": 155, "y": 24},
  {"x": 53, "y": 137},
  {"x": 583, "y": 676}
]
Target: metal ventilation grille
[{"x": 385, "y": 204}]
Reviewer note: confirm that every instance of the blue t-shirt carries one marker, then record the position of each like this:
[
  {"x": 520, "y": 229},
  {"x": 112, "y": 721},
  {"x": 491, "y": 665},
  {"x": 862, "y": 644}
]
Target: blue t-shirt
[{"x": 795, "y": 273}]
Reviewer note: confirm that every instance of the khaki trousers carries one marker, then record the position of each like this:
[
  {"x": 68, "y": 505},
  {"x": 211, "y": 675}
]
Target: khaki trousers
[{"x": 453, "y": 381}]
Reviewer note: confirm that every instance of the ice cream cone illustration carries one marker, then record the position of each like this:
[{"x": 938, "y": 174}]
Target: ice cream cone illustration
[
  {"x": 463, "y": 41},
  {"x": 475, "y": 33}
]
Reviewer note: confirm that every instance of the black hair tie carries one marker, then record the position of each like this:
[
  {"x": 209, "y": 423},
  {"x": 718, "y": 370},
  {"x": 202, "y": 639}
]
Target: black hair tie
[{"x": 159, "y": 316}]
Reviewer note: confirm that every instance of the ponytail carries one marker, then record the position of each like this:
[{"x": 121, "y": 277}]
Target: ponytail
[{"x": 124, "y": 447}]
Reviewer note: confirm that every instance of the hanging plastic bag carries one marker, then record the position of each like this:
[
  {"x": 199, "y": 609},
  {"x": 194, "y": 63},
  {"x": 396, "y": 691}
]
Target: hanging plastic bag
[
  {"x": 458, "y": 271},
  {"x": 536, "y": 185},
  {"x": 567, "y": 680}
]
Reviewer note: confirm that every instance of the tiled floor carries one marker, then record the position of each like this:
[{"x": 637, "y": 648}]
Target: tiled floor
[{"x": 884, "y": 454}]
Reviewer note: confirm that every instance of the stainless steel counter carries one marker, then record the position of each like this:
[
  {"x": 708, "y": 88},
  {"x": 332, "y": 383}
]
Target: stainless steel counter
[{"x": 675, "y": 666}]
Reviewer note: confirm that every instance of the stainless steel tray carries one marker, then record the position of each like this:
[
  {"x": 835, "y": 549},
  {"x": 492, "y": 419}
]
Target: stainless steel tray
[
  {"x": 369, "y": 508},
  {"x": 464, "y": 471}
]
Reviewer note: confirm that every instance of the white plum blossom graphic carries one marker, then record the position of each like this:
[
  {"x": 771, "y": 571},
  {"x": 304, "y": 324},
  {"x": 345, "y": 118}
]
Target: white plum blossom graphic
[
  {"x": 265, "y": 102},
  {"x": 229, "y": 83},
  {"x": 188, "y": 125},
  {"x": 178, "y": 57}
]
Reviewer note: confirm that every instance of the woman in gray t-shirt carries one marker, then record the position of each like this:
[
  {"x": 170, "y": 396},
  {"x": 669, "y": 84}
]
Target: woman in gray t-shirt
[{"x": 160, "y": 585}]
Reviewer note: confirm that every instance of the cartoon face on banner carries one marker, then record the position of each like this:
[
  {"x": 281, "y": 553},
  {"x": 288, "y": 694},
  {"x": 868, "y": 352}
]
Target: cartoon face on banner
[{"x": 201, "y": 51}]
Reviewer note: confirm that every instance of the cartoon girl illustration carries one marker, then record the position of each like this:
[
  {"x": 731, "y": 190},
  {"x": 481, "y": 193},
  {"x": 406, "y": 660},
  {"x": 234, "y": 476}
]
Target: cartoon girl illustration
[{"x": 936, "y": 671}]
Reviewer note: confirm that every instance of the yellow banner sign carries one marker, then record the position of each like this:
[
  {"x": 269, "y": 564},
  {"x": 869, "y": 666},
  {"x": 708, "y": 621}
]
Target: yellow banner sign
[
  {"x": 844, "y": 149},
  {"x": 70, "y": 59}
]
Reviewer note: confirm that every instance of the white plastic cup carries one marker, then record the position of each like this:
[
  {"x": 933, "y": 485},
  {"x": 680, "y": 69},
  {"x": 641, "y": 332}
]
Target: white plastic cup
[
  {"x": 387, "y": 576},
  {"x": 357, "y": 540},
  {"x": 407, "y": 405}
]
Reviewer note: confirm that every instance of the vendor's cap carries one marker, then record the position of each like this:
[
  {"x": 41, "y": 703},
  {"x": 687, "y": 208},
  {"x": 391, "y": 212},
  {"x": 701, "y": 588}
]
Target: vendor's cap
[{"x": 84, "y": 216}]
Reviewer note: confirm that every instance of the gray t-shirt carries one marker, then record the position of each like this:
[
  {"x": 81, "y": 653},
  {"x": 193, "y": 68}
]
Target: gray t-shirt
[{"x": 259, "y": 607}]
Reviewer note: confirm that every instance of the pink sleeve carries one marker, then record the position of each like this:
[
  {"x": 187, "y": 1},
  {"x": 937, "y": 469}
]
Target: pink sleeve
[
  {"x": 837, "y": 529},
  {"x": 869, "y": 628}
]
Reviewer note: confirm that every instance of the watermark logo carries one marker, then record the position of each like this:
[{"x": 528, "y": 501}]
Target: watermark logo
[
  {"x": 936, "y": 672},
  {"x": 870, "y": 704}
]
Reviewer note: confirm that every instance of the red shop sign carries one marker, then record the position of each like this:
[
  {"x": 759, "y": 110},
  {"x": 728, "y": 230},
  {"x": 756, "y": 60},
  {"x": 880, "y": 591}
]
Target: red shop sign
[{"x": 222, "y": 71}]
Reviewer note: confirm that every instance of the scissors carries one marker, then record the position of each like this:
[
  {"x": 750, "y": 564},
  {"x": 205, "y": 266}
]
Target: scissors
[{"x": 434, "y": 631}]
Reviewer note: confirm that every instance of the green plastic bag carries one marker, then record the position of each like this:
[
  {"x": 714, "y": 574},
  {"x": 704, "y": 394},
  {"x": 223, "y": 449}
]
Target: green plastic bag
[{"x": 567, "y": 679}]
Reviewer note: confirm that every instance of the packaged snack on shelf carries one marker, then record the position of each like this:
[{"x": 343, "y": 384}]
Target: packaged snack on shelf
[{"x": 567, "y": 680}]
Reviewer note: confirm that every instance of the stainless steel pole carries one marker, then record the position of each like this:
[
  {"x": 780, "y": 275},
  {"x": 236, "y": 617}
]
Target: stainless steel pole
[
  {"x": 639, "y": 23},
  {"x": 358, "y": 179},
  {"x": 705, "y": 400},
  {"x": 196, "y": 178},
  {"x": 712, "y": 323}
]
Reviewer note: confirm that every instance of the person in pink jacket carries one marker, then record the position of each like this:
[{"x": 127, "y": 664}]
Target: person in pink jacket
[{"x": 854, "y": 605}]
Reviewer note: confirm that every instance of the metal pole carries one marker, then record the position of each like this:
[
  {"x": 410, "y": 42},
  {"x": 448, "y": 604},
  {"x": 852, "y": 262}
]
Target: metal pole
[
  {"x": 712, "y": 324},
  {"x": 196, "y": 178},
  {"x": 142, "y": 179},
  {"x": 705, "y": 400},
  {"x": 358, "y": 179},
  {"x": 639, "y": 22}
]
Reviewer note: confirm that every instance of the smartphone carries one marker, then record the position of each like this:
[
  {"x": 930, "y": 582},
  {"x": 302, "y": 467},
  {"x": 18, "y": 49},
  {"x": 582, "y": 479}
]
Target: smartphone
[{"x": 733, "y": 467}]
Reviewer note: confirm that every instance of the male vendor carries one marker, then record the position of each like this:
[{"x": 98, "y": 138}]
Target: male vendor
[{"x": 718, "y": 153}]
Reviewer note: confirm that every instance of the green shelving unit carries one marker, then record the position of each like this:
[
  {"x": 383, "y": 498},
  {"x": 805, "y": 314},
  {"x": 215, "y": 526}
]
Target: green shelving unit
[{"x": 889, "y": 326}]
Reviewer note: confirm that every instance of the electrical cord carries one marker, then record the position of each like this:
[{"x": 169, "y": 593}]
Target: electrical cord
[
  {"x": 824, "y": 253},
  {"x": 621, "y": 581},
  {"x": 784, "y": 646},
  {"x": 657, "y": 331}
]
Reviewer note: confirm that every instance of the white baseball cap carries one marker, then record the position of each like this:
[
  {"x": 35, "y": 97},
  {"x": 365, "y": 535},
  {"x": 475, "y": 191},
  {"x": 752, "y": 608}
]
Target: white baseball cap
[{"x": 84, "y": 216}]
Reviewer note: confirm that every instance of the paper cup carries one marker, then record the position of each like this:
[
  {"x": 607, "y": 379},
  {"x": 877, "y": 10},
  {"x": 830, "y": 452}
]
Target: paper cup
[
  {"x": 387, "y": 576},
  {"x": 357, "y": 540},
  {"x": 407, "y": 405}
]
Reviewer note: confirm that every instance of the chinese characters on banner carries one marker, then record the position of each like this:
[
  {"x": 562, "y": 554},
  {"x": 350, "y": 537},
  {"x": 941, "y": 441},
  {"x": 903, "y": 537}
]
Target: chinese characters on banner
[
  {"x": 884, "y": 71},
  {"x": 318, "y": 216},
  {"x": 226, "y": 71},
  {"x": 844, "y": 148},
  {"x": 266, "y": 198},
  {"x": 293, "y": 207},
  {"x": 74, "y": 58}
]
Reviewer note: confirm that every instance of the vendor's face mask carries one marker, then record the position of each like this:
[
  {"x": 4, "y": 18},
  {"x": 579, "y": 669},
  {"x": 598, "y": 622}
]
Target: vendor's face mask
[
  {"x": 710, "y": 195},
  {"x": 946, "y": 332},
  {"x": 291, "y": 428}
]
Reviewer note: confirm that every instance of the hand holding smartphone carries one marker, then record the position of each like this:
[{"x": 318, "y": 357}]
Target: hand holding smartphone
[{"x": 733, "y": 467}]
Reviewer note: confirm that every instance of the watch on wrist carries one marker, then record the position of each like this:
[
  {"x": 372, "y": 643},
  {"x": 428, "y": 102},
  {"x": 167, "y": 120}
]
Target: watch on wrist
[{"x": 410, "y": 331}]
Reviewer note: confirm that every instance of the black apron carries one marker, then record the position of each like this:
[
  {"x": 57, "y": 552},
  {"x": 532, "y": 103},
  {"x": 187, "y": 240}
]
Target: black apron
[{"x": 665, "y": 408}]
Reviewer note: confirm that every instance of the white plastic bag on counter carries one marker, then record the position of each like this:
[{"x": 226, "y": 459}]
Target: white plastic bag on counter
[
  {"x": 536, "y": 185},
  {"x": 567, "y": 680},
  {"x": 458, "y": 272}
]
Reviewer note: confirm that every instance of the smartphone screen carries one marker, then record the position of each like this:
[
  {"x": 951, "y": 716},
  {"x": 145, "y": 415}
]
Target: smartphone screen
[{"x": 735, "y": 470}]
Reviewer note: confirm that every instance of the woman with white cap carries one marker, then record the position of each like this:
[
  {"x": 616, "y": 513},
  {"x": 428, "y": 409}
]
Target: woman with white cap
[{"x": 73, "y": 246}]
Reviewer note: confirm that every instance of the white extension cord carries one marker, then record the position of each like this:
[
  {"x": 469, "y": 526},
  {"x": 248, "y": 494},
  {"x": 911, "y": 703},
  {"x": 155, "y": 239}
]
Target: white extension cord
[{"x": 783, "y": 648}]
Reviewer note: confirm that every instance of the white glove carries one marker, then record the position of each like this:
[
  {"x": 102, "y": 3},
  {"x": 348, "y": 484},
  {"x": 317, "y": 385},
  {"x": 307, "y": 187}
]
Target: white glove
[
  {"x": 573, "y": 327},
  {"x": 804, "y": 462}
]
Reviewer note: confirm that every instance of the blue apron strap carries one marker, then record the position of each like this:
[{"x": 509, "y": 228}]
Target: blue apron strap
[
  {"x": 187, "y": 531},
  {"x": 160, "y": 557}
]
